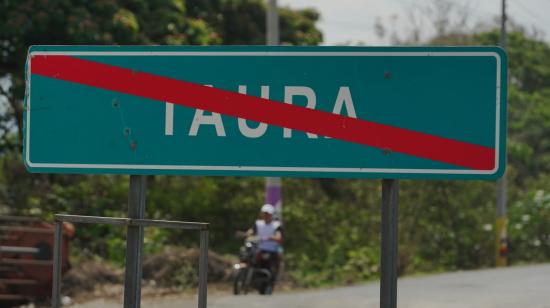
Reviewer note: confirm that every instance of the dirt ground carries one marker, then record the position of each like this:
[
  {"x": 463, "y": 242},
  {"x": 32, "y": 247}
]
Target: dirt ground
[{"x": 171, "y": 271}]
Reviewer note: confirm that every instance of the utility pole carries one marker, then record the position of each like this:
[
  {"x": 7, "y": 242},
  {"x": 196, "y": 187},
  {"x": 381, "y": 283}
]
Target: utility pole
[
  {"x": 273, "y": 194},
  {"x": 272, "y": 23},
  {"x": 501, "y": 240}
]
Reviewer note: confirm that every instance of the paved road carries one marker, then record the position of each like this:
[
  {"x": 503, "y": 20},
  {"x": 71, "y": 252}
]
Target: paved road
[{"x": 523, "y": 287}]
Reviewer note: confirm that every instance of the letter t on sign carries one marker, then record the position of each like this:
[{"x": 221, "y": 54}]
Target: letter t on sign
[{"x": 169, "y": 120}]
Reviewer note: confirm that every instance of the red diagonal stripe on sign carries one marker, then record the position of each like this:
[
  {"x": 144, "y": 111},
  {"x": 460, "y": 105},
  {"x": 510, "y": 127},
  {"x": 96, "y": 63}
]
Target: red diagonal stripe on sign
[{"x": 323, "y": 123}]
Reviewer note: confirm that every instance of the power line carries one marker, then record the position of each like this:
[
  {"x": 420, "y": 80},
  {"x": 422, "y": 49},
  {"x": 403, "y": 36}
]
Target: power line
[{"x": 528, "y": 11}]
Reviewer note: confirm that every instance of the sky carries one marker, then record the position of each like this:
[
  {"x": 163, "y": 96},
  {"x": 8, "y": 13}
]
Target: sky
[{"x": 353, "y": 21}]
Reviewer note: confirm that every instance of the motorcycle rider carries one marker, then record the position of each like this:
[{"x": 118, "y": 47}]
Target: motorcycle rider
[{"x": 270, "y": 234}]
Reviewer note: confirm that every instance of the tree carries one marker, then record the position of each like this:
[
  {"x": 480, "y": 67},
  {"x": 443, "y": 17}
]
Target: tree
[{"x": 243, "y": 22}]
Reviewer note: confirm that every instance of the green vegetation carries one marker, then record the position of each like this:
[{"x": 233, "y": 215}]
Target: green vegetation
[{"x": 332, "y": 226}]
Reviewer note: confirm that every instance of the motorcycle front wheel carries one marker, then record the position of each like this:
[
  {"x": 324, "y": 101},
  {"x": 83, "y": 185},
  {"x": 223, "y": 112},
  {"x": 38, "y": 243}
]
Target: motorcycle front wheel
[{"x": 239, "y": 284}]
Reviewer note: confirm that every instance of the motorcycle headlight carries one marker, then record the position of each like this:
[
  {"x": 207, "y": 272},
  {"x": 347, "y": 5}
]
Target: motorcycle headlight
[{"x": 237, "y": 266}]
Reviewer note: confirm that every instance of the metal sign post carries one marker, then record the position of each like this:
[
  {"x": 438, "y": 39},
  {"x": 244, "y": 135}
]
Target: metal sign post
[
  {"x": 56, "y": 277},
  {"x": 203, "y": 268},
  {"x": 134, "y": 242},
  {"x": 388, "y": 276}
]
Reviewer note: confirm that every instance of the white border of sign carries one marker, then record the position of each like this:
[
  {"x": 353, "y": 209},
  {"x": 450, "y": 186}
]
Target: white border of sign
[{"x": 268, "y": 168}]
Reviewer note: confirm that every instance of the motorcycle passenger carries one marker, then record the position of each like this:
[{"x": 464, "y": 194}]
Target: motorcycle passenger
[{"x": 270, "y": 234}]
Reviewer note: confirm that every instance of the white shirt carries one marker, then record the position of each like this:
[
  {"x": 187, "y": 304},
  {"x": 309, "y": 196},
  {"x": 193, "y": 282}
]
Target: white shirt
[{"x": 265, "y": 230}]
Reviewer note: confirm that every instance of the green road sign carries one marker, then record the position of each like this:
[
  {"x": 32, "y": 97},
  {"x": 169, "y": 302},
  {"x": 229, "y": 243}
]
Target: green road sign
[{"x": 384, "y": 112}]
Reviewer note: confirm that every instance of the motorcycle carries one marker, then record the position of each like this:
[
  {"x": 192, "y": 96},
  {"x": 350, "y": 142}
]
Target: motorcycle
[{"x": 251, "y": 271}]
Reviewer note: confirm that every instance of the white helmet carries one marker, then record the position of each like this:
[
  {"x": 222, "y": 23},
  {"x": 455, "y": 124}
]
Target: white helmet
[{"x": 268, "y": 208}]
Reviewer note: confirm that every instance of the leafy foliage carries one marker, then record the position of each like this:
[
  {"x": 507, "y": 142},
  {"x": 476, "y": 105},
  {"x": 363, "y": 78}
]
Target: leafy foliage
[{"x": 529, "y": 230}]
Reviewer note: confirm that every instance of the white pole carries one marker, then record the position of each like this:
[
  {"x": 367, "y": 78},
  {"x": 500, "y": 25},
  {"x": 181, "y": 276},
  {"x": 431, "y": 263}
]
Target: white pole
[
  {"x": 273, "y": 193},
  {"x": 272, "y": 23}
]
